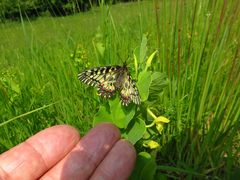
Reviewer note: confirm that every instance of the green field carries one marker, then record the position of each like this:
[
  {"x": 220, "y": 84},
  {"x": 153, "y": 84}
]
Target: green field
[{"x": 198, "y": 87}]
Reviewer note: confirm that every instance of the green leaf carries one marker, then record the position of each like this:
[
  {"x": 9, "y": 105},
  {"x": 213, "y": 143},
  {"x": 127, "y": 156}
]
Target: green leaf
[
  {"x": 157, "y": 84},
  {"x": 100, "y": 48},
  {"x": 137, "y": 54},
  {"x": 135, "y": 65},
  {"x": 121, "y": 115},
  {"x": 145, "y": 167},
  {"x": 149, "y": 60},
  {"x": 103, "y": 115},
  {"x": 143, "y": 84},
  {"x": 149, "y": 170},
  {"x": 117, "y": 114},
  {"x": 143, "y": 49},
  {"x": 136, "y": 130}
]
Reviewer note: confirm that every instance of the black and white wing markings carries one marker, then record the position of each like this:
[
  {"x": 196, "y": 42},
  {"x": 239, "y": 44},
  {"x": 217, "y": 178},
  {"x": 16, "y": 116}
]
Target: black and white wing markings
[
  {"x": 104, "y": 78},
  {"x": 129, "y": 92},
  {"x": 109, "y": 79}
]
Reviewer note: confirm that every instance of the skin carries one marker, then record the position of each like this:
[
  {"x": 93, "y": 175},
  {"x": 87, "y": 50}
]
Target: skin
[{"x": 60, "y": 153}]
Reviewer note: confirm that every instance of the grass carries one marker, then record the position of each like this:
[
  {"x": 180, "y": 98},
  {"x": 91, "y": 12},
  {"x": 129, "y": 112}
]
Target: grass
[{"x": 198, "y": 49}]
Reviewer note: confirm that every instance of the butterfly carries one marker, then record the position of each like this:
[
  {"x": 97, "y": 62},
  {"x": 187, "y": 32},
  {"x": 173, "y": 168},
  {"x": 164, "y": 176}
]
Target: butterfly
[{"x": 110, "y": 79}]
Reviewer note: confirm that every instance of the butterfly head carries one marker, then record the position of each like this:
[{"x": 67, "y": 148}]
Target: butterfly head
[{"x": 124, "y": 67}]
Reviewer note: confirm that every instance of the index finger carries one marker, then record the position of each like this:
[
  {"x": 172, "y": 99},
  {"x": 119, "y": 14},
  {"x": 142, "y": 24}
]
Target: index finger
[{"x": 32, "y": 158}]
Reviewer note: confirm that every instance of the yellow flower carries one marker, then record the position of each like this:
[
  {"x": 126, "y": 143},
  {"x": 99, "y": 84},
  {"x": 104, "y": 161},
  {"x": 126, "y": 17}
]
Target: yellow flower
[
  {"x": 151, "y": 144},
  {"x": 159, "y": 121}
]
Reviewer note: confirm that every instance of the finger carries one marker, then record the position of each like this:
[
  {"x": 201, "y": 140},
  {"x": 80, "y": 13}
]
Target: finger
[
  {"x": 118, "y": 164},
  {"x": 30, "y": 159},
  {"x": 88, "y": 153}
]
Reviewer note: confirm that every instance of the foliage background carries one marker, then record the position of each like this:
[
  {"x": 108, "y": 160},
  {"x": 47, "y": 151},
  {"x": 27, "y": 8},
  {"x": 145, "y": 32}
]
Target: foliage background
[
  {"x": 14, "y": 9},
  {"x": 198, "y": 53}
]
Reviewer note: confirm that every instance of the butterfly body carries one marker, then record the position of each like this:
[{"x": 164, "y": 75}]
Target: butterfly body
[{"x": 110, "y": 79}]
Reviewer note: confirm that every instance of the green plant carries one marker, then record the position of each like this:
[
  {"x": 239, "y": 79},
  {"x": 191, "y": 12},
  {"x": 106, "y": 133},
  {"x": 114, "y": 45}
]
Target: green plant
[
  {"x": 132, "y": 119},
  {"x": 194, "y": 81}
]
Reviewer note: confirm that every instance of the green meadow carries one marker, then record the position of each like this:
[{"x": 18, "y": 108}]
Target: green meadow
[{"x": 193, "y": 80}]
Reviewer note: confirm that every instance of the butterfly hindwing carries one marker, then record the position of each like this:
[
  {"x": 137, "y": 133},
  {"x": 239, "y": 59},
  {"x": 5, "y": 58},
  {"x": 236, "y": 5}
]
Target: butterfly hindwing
[
  {"x": 129, "y": 92},
  {"x": 109, "y": 79}
]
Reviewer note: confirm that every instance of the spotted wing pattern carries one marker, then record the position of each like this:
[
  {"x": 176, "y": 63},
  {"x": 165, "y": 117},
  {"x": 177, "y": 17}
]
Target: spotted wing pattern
[
  {"x": 109, "y": 79},
  {"x": 104, "y": 78},
  {"x": 129, "y": 92}
]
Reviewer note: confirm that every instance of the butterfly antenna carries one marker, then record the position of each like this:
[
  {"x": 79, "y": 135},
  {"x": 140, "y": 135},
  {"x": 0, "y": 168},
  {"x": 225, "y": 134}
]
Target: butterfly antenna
[{"x": 121, "y": 59}]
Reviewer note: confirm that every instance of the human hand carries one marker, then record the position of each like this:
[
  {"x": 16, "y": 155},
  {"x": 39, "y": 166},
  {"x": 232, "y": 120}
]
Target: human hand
[{"x": 59, "y": 153}]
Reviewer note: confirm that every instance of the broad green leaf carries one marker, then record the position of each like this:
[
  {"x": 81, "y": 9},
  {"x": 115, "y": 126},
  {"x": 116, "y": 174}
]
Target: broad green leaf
[
  {"x": 143, "y": 84},
  {"x": 149, "y": 170},
  {"x": 143, "y": 49},
  {"x": 157, "y": 84},
  {"x": 135, "y": 130},
  {"x": 118, "y": 114},
  {"x": 130, "y": 112},
  {"x": 103, "y": 115},
  {"x": 145, "y": 167},
  {"x": 100, "y": 48},
  {"x": 121, "y": 115},
  {"x": 137, "y": 54}
]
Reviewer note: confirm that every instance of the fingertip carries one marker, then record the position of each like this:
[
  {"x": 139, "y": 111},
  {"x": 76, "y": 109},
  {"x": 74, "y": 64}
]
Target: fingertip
[
  {"x": 62, "y": 128},
  {"x": 30, "y": 159},
  {"x": 118, "y": 164},
  {"x": 108, "y": 127},
  {"x": 87, "y": 154},
  {"x": 127, "y": 145},
  {"x": 54, "y": 142},
  {"x": 106, "y": 124},
  {"x": 59, "y": 133}
]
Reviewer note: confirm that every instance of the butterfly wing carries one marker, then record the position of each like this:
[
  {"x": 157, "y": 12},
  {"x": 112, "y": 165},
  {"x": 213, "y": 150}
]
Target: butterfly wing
[
  {"x": 109, "y": 79},
  {"x": 129, "y": 92},
  {"x": 104, "y": 78}
]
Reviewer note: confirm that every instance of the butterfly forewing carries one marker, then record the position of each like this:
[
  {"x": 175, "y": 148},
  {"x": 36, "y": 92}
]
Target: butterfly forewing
[
  {"x": 109, "y": 79},
  {"x": 93, "y": 77},
  {"x": 104, "y": 78}
]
